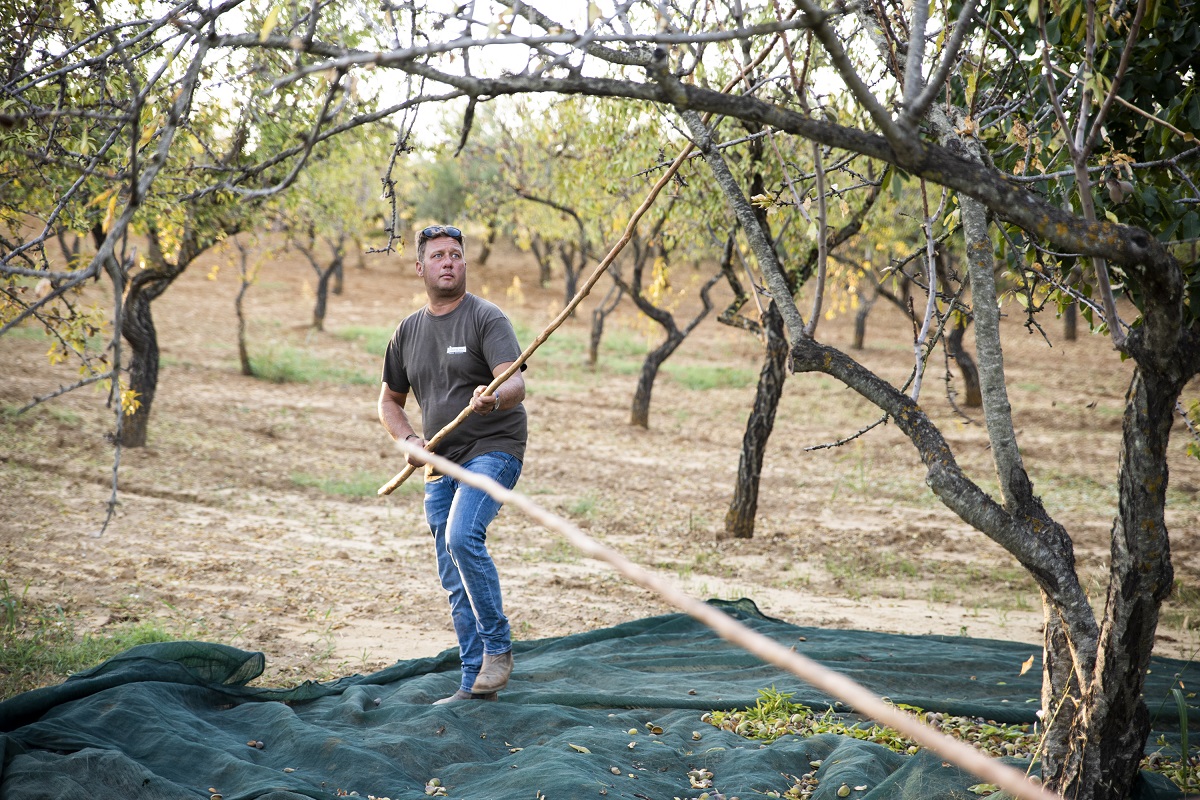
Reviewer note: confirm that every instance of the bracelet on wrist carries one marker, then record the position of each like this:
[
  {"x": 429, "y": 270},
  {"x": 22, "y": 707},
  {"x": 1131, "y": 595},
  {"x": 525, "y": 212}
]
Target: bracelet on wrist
[{"x": 412, "y": 436}]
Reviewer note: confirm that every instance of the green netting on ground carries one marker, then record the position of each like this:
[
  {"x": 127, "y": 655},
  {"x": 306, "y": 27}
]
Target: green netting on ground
[{"x": 173, "y": 720}]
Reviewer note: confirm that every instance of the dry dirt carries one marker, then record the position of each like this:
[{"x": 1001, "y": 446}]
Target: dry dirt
[{"x": 224, "y": 531}]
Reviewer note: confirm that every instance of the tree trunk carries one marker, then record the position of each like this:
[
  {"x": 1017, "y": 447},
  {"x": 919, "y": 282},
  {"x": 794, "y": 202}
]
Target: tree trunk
[
  {"x": 860, "y": 320},
  {"x": 137, "y": 326},
  {"x": 970, "y": 373},
  {"x": 739, "y": 519},
  {"x": 339, "y": 275},
  {"x": 542, "y": 256},
  {"x": 1104, "y": 751},
  {"x": 640, "y": 413},
  {"x": 1071, "y": 321},
  {"x": 599, "y": 315},
  {"x": 486, "y": 250},
  {"x": 243, "y": 352},
  {"x": 322, "y": 301},
  {"x": 571, "y": 270}
]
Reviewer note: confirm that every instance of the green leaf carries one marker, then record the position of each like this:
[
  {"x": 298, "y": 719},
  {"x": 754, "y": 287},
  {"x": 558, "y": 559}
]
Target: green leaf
[{"x": 1033, "y": 11}]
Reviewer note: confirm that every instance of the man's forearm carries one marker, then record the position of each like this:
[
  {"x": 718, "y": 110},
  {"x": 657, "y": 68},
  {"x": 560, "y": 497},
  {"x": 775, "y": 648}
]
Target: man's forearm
[
  {"x": 395, "y": 421},
  {"x": 511, "y": 393}
]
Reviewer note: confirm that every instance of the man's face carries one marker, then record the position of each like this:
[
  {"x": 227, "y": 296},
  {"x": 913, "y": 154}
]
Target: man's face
[{"x": 444, "y": 268}]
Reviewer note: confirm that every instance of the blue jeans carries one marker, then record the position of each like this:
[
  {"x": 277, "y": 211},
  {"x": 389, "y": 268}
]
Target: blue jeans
[{"x": 458, "y": 517}]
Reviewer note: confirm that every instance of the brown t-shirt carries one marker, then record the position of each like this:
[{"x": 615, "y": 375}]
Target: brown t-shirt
[{"x": 441, "y": 359}]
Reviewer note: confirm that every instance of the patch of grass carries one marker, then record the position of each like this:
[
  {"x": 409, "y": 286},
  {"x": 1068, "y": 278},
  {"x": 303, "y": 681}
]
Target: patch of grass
[
  {"x": 584, "y": 507},
  {"x": 619, "y": 365},
  {"x": 774, "y": 715},
  {"x": 27, "y": 332},
  {"x": 712, "y": 562},
  {"x": 700, "y": 377},
  {"x": 362, "y": 483},
  {"x": 282, "y": 364},
  {"x": 35, "y": 332},
  {"x": 559, "y": 552},
  {"x": 624, "y": 344},
  {"x": 372, "y": 339},
  {"x": 42, "y": 648},
  {"x": 48, "y": 409}
]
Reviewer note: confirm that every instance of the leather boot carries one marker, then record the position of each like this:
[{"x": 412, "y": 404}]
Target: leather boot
[
  {"x": 463, "y": 694},
  {"x": 493, "y": 675}
]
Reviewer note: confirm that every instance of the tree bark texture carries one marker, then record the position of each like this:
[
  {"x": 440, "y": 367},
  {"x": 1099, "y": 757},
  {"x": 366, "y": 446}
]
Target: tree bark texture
[
  {"x": 1109, "y": 734},
  {"x": 639, "y": 413},
  {"x": 137, "y": 326},
  {"x": 973, "y": 395},
  {"x": 739, "y": 518},
  {"x": 322, "y": 301}
]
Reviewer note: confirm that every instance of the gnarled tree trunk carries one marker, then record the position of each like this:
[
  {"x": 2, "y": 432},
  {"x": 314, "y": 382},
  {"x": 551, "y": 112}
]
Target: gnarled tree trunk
[
  {"x": 739, "y": 518},
  {"x": 137, "y": 326}
]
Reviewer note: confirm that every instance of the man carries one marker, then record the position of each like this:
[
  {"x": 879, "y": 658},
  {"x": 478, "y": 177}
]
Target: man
[{"x": 446, "y": 354}]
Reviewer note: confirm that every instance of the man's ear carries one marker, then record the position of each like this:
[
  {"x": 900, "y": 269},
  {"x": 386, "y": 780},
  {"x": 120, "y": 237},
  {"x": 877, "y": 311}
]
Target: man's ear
[{"x": 420, "y": 269}]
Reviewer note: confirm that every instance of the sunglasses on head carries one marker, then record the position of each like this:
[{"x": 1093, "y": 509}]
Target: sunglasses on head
[{"x": 434, "y": 231}]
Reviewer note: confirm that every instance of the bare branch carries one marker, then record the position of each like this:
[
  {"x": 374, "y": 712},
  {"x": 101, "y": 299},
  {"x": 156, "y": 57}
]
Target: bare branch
[
  {"x": 1122, "y": 67},
  {"x": 898, "y": 138},
  {"x": 822, "y": 242},
  {"x": 914, "y": 60},
  {"x": 61, "y": 390},
  {"x": 916, "y": 109}
]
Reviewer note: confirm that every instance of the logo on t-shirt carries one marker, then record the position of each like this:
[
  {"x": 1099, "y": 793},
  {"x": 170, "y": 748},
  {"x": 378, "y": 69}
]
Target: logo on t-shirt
[{"x": 452, "y": 351}]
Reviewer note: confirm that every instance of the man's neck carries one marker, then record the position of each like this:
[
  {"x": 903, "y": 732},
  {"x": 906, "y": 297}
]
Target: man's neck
[{"x": 439, "y": 306}]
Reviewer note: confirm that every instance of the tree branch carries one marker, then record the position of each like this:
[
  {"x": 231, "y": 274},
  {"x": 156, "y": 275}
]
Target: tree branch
[{"x": 915, "y": 110}]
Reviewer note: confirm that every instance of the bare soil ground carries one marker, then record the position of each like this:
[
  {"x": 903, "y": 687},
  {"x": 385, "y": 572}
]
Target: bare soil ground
[{"x": 251, "y": 519}]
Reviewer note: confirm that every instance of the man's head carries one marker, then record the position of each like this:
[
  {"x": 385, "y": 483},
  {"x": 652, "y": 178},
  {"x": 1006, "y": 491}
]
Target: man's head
[
  {"x": 436, "y": 232},
  {"x": 441, "y": 261}
]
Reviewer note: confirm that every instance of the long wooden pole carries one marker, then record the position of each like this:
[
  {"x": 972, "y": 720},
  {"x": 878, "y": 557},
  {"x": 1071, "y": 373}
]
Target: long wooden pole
[
  {"x": 584, "y": 290},
  {"x": 849, "y": 691}
]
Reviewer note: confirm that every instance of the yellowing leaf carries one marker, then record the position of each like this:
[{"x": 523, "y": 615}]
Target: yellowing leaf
[
  {"x": 1025, "y": 665},
  {"x": 130, "y": 402},
  {"x": 103, "y": 196},
  {"x": 1111, "y": 217},
  {"x": 593, "y": 13},
  {"x": 269, "y": 23},
  {"x": 110, "y": 214},
  {"x": 579, "y": 748},
  {"x": 147, "y": 134}
]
